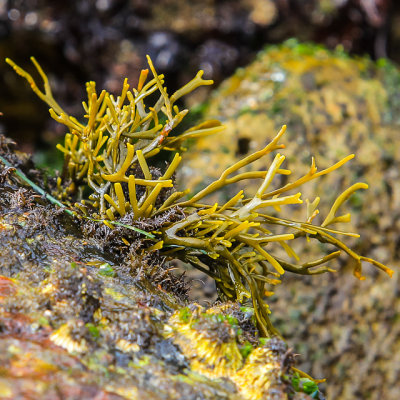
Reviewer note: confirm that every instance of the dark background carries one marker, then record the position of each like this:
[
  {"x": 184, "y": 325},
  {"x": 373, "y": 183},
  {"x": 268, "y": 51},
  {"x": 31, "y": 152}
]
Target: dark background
[{"x": 106, "y": 41}]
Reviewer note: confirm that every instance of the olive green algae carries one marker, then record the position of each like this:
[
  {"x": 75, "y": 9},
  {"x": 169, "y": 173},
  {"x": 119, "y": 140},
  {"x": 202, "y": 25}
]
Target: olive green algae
[{"x": 128, "y": 224}]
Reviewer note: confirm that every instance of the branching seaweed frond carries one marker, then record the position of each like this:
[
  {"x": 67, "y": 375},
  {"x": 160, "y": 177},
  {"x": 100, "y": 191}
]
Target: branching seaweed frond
[
  {"x": 230, "y": 242},
  {"x": 241, "y": 243},
  {"x": 108, "y": 150}
]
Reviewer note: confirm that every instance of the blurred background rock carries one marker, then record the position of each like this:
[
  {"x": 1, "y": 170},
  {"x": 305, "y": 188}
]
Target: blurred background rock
[{"x": 333, "y": 104}]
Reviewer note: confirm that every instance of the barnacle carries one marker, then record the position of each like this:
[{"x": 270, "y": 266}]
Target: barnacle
[
  {"x": 126, "y": 346},
  {"x": 62, "y": 337},
  {"x": 261, "y": 376},
  {"x": 237, "y": 243},
  {"x": 209, "y": 343}
]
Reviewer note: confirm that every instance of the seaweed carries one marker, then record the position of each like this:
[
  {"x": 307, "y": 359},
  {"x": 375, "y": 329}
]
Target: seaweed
[{"x": 111, "y": 176}]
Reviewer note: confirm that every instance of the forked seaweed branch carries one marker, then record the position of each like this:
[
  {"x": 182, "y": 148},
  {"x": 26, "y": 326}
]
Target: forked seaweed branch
[{"x": 110, "y": 174}]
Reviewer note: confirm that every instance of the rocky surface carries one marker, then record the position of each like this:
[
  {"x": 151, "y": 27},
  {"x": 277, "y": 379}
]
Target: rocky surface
[
  {"x": 82, "y": 316},
  {"x": 333, "y": 106}
]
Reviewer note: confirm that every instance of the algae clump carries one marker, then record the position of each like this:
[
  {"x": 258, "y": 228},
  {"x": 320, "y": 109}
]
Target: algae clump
[{"x": 111, "y": 176}]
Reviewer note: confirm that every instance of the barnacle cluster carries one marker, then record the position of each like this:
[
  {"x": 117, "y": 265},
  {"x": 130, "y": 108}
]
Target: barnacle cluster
[
  {"x": 212, "y": 341},
  {"x": 207, "y": 339},
  {"x": 261, "y": 375},
  {"x": 108, "y": 152}
]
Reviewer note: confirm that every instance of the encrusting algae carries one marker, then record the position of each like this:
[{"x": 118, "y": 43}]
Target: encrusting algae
[{"x": 111, "y": 176}]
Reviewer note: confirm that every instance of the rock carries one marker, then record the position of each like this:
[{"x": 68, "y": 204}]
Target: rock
[{"x": 81, "y": 317}]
